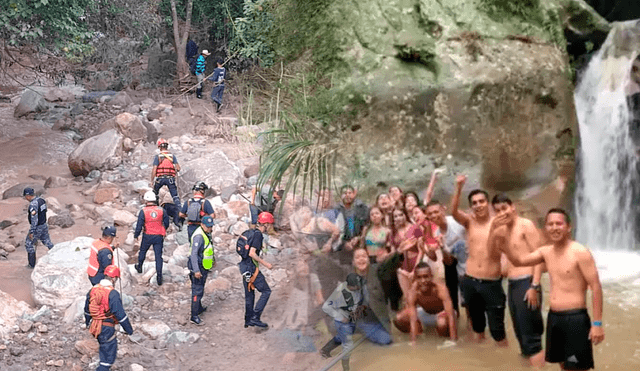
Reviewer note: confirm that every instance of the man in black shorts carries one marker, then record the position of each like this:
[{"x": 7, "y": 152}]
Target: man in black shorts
[{"x": 570, "y": 332}]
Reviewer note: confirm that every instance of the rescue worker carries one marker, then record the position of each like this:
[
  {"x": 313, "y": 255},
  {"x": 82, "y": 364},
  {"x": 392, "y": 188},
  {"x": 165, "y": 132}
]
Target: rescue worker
[
  {"x": 164, "y": 171},
  {"x": 38, "y": 230},
  {"x": 155, "y": 222},
  {"x": 345, "y": 306},
  {"x": 248, "y": 247},
  {"x": 101, "y": 255},
  {"x": 201, "y": 65},
  {"x": 197, "y": 207},
  {"x": 201, "y": 260},
  {"x": 102, "y": 311}
]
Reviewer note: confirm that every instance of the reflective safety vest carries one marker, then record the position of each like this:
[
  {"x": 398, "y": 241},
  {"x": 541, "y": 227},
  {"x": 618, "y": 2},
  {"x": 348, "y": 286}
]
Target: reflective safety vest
[
  {"x": 153, "y": 220},
  {"x": 165, "y": 165},
  {"x": 99, "y": 308},
  {"x": 208, "y": 259},
  {"x": 96, "y": 246}
]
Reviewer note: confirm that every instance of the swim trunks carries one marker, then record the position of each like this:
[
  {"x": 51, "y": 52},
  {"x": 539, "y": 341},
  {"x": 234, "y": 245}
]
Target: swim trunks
[
  {"x": 527, "y": 322},
  {"x": 485, "y": 296},
  {"x": 568, "y": 339}
]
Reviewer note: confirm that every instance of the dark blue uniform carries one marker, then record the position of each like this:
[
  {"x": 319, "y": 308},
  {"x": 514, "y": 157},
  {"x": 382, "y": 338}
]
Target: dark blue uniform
[
  {"x": 105, "y": 259},
  {"x": 218, "y": 89},
  {"x": 38, "y": 230},
  {"x": 205, "y": 208},
  {"x": 155, "y": 240},
  {"x": 247, "y": 268},
  {"x": 195, "y": 265},
  {"x": 107, "y": 337},
  {"x": 166, "y": 180}
]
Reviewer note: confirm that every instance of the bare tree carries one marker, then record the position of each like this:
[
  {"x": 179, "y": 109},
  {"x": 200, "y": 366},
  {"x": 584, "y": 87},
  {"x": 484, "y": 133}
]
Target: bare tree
[{"x": 183, "y": 78}]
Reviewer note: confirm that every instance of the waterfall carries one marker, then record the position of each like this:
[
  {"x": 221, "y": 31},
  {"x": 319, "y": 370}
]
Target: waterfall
[{"x": 607, "y": 201}]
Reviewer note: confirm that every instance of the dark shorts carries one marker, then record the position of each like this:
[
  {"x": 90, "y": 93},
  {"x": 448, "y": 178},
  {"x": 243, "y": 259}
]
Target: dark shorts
[
  {"x": 485, "y": 296},
  {"x": 527, "y": 323},
  {"x": 568, "y": 339}
]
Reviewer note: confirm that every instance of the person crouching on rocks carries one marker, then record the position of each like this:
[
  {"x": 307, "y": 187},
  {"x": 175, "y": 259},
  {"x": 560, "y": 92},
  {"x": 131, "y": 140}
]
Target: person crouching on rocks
[{"x": 102, "y": 311}]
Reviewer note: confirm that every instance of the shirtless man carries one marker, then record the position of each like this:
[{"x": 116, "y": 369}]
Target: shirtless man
[
  {"x": 572, "y": 270},
  {"x": 482, "y": 284},
  {"x": 524, "y": 294},
  {"x": 436, "y": 306}
]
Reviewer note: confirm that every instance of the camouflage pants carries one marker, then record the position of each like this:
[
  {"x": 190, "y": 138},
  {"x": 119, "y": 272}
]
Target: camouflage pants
[{"x": 41, "y": 233}]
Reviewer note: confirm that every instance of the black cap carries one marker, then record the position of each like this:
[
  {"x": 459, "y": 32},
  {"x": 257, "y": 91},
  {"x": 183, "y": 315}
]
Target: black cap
[
  {"x": 28, "y": 191},
  {"x": 353, "y": 280}
]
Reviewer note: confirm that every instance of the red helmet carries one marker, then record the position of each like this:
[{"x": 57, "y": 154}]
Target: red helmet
[
  {"x": 162, "y": 142},
  {"x": 265, "y": 218},
  {"x": 112, "y": 271}
]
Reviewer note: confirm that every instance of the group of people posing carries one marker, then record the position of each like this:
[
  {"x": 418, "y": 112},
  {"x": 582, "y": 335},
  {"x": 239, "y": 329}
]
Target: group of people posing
[{"x": 412, "y": 261}]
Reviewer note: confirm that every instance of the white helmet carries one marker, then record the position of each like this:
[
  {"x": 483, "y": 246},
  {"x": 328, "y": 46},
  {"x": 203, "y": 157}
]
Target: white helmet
[{"x": 150, "y": 196}]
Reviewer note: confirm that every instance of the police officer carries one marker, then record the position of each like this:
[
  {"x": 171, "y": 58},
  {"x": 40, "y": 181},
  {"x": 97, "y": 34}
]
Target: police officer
[
  {"x": 201, "y": 260},
  {"x": 38, "y": 230},
  {"x": 102, "y": 311},
  {"x": 249, "y": 246},
  {"x": 155, "y": 222},
  {"x": 101, "y": 255},
  {"x": 165, "y": 168},
  {"x": 197, "y": 207}
]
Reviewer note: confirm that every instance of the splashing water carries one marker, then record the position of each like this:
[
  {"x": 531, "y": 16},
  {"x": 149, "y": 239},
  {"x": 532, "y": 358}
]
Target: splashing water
[{"x": 608, "y": 187}]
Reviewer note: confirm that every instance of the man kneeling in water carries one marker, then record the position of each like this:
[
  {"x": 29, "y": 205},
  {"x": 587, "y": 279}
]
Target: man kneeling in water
[{"x": 435, "y": 306}]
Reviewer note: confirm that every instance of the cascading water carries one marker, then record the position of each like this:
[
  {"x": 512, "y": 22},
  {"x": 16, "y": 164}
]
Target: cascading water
[{"x": 607, "y": 195}]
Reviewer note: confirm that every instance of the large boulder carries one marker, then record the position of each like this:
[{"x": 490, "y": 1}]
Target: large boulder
[
  {"x": 61, "y": 275},
  {"x": 214, "y": 168},
  {"x": 31, "y": 101},
  {"x": 452, "y": 83},
  {"x": 11, "y": 311},
  {"x": 103, "y": 151},
  {"x": 59, "y": 95},
  {"x": 16, "y": 190},
  {"x": 127, "y": 124}
]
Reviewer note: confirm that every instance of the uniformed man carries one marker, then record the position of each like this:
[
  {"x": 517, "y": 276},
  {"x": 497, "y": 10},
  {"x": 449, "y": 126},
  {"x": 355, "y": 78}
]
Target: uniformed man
[
  {"x": 201, "y": 260},
  {"x": 38, "y": 230},
  {"x": 196, "y": 208},
  {"x": 165, "y": 168},
  {"x": 345, "y": 306},
  {"x": 155, "y": 222},
  {"x": 102, "y": 311},
  {"x": 249, "y": 246},
  {"x": 101, "y": 255}
]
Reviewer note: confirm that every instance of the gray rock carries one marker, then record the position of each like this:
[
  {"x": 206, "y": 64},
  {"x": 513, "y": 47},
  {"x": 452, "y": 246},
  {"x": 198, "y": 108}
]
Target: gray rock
[
  {"x": 214, "y": 168},
  {"x": 127, "y": 124},
  {"x": 31, "y": 101},
  {"x": 55, "y": 182},
  {"x": 152, "y": 131},
  {"x": 227, "y": 192},
  {"x": 177, "y": 337},
  {"x": 93, "y": 175},
  {"x": 103, "y": 151},
  {"x": 121, "y": 99},
  {"x": 16, "y": 190},
  {"x": 63, "y": 220}
]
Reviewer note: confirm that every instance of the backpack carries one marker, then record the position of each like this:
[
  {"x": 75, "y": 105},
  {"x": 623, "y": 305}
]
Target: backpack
[
  {"x": 195, "y": 210},
  {"x": 192, "y": 65}
]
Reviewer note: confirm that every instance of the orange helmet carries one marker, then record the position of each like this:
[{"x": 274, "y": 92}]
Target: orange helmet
[
  {"x": 265, "y": 218},
  {"x": 162, "y": 142},
  {"x": 112, "y": 271}
]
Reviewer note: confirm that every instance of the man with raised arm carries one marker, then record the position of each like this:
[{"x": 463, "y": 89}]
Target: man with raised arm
[
  {"x": 524, "y": 291},
  {"x": 482, "y": 284},
  {"x": 570, "y": 332}
]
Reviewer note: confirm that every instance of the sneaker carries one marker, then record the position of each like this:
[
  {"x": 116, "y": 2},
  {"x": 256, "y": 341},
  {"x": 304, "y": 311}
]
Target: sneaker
[
  {"x": 138, "y": 268},
  {"x": 220, "y": 107},
  {"x": 196, "y": 321}
]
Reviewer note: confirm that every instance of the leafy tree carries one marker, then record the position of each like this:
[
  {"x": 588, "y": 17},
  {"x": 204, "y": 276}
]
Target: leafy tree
[
  {"x": 59, "y": 23},
  {"x": 252, "y": 32}
]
